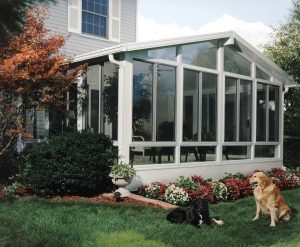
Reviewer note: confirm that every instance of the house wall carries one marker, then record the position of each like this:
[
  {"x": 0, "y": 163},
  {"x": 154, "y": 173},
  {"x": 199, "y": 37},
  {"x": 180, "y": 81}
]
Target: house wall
[
  {"x": 169, "y": 173},
  {"x": 81, "y": 43}
]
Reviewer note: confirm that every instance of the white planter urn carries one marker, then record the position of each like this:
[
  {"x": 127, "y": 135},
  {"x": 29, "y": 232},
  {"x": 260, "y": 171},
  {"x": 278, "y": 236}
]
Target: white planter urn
[{"x": 121, "y": 183}]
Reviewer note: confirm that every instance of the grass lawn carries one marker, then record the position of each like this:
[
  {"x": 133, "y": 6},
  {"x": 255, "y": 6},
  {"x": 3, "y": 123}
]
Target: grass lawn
[{"x": 39, "y": 222}]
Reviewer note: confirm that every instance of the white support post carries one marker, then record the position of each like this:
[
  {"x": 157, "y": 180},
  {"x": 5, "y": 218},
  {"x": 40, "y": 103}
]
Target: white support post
[
  {"x": 125, "y": 109},
  {"x": 281, "y": 122},
  {"x": 100, "y": 83},
  {"x": 179, "y": 106},
  {"x": 221, "y": 104},
  {"x": 254, "y": 117}
]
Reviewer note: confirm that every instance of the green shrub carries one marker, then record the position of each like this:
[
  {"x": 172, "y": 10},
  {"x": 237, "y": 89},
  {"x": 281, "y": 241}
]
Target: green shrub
[
  {"x": 291, "y": 154},
  {"x": 186, "y": 183},
  {"x": 74, "y": 163}
]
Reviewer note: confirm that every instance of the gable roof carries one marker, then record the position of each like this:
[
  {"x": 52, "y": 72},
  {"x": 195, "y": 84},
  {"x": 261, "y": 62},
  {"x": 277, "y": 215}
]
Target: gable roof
[{"x": 231, "y": 38}]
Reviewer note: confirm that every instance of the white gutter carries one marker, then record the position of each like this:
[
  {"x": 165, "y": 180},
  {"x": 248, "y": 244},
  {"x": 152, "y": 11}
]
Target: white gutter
[{"x": 287, "y": 87}]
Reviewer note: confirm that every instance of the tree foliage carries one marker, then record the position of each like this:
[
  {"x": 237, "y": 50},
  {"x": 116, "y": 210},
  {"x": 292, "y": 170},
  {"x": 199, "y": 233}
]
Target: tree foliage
[
  {"x": 33, "y": 75},
  {"x": 12, "y": 16},
  {"x": 284, "y": 50}
]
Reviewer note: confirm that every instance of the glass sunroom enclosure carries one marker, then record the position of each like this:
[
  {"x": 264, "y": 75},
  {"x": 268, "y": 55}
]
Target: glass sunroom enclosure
[{"x": 204, "y": 105}]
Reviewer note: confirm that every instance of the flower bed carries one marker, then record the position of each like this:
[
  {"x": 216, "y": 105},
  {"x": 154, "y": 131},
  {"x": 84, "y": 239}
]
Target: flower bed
[{"x": 229, "y": 188}]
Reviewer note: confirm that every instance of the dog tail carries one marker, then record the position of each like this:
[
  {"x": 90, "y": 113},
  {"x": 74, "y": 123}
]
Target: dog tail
[
  {"x": 294, "y": 210},
  {"x": 218, "y": 222}
]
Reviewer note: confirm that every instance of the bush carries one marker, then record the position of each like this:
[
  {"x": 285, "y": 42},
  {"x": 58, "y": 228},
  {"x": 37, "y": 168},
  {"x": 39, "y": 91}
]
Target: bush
[
  {"x": 291, "y": 154},
  {"x": 10, "y": 162},
  {"x": 73, "y": 163}
]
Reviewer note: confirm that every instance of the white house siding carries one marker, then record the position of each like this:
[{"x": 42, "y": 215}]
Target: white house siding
[
  {"x": 128, "y": 20},
  {"x": 78, "y": 44}
]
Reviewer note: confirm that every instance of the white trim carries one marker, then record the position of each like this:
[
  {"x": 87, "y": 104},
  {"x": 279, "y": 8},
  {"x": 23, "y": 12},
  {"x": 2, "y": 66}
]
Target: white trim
[
  {"x": 75, "y": 5},
  {"x": 220, "y": 126},
  {"x": 247, "y": 49},
  {"x": 238, "y": 76},
  {"x": 254, "y": 110},
  {"x": 196, "y": 144},
  {"x": 112, "y": 18},
  {"x": 179, "y": 105},
  {"x": 153, "y": 144}
]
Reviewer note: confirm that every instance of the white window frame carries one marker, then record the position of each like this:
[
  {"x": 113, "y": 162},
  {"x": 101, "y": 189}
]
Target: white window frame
[{"x": 109, "y": 21}]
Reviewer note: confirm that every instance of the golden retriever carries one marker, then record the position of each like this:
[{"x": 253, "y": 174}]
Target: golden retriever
[{"x": 268, "y": 199}]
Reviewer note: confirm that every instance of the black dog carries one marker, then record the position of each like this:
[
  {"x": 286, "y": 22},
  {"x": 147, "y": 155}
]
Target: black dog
[{"x": 196, "y": 214}]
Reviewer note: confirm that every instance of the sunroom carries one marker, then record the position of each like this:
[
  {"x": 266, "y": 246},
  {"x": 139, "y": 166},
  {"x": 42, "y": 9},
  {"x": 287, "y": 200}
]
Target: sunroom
[{"x": 209, "y": 105}]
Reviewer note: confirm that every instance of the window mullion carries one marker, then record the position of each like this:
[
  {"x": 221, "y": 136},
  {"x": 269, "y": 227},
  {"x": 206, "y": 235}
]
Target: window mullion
[
  {"x": 267, "y": 113},
  {"x": 154, "y": 105},
  {"x": 238, "y": 90},
  {"x": 200, "y": 106}
]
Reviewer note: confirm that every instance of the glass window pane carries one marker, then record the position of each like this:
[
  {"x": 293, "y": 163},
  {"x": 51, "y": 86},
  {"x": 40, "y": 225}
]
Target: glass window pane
[
  {"x": 209, "y": 107},
  {"x": 95, "y": 110},
  {"x": 110, "y": 100},
  {"x": 168, "y": 53},
  {"x": 273, "y": 113},
  {"x": 261, "y": 112},
  {"x": 234, "y": 62},
  {"x": 236, "y": 152},
  {"x": 151, "y": 155},
  {"x": 230, "y": 109},
  {"x": 93, "y": 81},
  {"x": 190, "y": 105},
  {"x": 245, "y": 110},
  {"x": 202, "y": 54},
  {"x": 94, "y": 17},
  {"x": 261, "y": 74},
  {"x": 197, "y": 154},
  {"x": 264, "y": 151},
  {"x": 142, "y": 100},
  {"x": 165, "y": 107}
]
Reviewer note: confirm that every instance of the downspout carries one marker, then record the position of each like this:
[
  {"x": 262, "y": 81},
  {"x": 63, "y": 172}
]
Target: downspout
[{"x": 113, "y": 60}]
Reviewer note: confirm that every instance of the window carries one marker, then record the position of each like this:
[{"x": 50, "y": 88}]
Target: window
[
  {"x": 168, "y": 53},
  {"x": 200, "y": 92},
  {"x": 94, "y": 17},
  {"x": 197, "y": 153},
  {"x": 110, "y": 100},
  {"x": 234, "y": 62},
  {"x": 103, "y": 99},
  {"x": 264, "y": 151},
  {"x": 143, "y": 155},
  {"x": 154, "y": 97},
  {"x": 267, "y": 112},
  {"x": 238, "y": 109},
  {"x": 236, "y": 152},
  {"x": 93, "y": 82},
  {"x": 203, "y": 54},
  {"x": 261, "y": 74}
]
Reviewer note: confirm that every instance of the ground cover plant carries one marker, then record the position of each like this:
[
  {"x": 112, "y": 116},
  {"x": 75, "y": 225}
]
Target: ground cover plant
[
  {"x": 229, "y": 188},
  {"x": 40, "y": 222}
]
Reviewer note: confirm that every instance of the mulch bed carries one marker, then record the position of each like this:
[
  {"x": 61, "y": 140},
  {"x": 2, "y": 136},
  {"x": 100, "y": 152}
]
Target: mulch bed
[
  {"x": 109, "y": 198},
  {"x": 103, "y": 198},
  {"x": 2, "y": 194}
]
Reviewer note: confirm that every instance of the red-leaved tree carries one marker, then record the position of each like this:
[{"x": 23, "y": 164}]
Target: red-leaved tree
[{"x": 33, "y": 75}]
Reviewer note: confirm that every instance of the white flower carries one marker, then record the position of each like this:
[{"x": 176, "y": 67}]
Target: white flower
[{"x": 176, "y": 195}]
